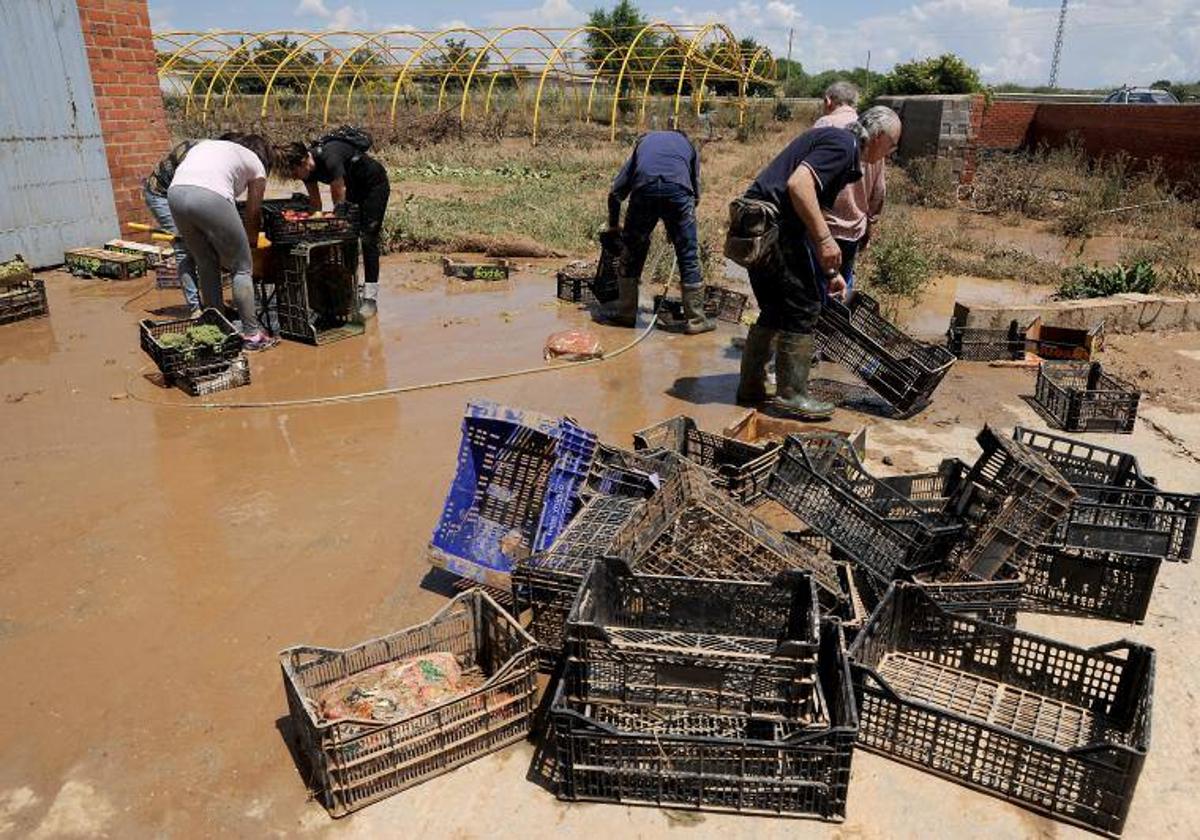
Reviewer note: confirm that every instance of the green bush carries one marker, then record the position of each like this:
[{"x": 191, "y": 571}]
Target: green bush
[
  {"x": 897, "y": 264},
  {"x": 1097, "y": 281},
  {"x": 944, "y": 74}
]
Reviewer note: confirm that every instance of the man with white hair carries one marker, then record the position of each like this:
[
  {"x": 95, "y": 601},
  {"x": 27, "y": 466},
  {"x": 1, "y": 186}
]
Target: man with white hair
[
  {"x": 799, "y": 263},
  {"x": 859, "y": 206}
]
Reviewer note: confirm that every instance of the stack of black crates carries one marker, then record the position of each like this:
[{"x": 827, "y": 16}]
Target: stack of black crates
[{"x": 704, "y": 694}]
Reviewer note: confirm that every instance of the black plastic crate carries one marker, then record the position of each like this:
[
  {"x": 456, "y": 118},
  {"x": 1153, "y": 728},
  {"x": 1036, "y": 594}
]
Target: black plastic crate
[
  {"x": 172, "y": 360},
  {"x": 690, "y": 529},
  {"x": 316, "y": 292},
  {"x": 719, "y": 302},
  {"x": 820, "y": 479},
  {"x": 202, "y": 380},
  {"x": 931, "y": 491},
  {"x": 997, "y": 600},
  {"x": 1085, "y": 464},
  {"x": 619, "y": 472},
  {"x": 741, "y": 469},
  {"x": 23, "y": 299},
  {"x": 1011, "y": 500},
  {"x": 575, "y": 283},
  {"x": 903, "y": 371},
  {"x": 1118, "y": 509},
  {"x": 356, "y": 762},
  {"x": 545, "y": 583},
  {"x": 728, "y": 647},
  {"x": 1058, "y": 729},
  {"x": 737, "y": 762},
  {"x": 339, "y": 225},
  {"x": 979, "y": 344},
  {"x": 1081, "y": 397},
  {"x": 1095, "y": 584}
]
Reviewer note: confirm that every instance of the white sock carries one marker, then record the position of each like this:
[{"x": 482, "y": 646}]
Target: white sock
[{"x": 370, "y": 291}]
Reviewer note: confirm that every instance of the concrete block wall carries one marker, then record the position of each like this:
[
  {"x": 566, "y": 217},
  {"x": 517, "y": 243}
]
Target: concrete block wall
[{"x": 133, "y": 121}]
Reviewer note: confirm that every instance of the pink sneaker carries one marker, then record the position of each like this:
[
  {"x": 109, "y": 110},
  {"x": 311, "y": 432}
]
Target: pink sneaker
[{"x": 261, "y": 340}]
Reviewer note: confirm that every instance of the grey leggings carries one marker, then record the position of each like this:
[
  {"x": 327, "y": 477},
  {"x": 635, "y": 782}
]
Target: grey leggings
[{"x": 213, "y": 231}]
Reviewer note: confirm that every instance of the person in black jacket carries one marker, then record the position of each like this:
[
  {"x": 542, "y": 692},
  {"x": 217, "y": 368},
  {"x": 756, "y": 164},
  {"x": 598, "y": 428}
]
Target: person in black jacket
[
  {"x": 661, "y": 179},
  {"x": 354, "y": 176}
]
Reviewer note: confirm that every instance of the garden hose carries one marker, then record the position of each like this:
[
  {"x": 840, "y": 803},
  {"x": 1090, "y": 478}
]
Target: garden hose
[{"x": 403, "y": 389}]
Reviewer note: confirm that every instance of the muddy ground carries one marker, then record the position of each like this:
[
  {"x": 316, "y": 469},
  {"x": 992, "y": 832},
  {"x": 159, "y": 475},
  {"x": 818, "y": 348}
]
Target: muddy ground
[{"x": 157, "y": 556}]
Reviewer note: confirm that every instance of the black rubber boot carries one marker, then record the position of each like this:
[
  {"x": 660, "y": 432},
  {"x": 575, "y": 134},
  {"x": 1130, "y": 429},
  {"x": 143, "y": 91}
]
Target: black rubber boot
[
  {"x": 625, "y": 314},
  {"x": 793, "y": 362},
  {"x": 752, "y": 387},
  {"x": 695, "y": 321}
]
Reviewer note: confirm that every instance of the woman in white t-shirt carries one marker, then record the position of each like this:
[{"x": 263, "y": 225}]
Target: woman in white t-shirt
[{"x": 202, "y": 195}]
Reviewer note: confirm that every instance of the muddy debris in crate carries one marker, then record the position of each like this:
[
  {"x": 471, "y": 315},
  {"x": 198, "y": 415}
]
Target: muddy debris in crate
[{"x": 394, "y": 690}]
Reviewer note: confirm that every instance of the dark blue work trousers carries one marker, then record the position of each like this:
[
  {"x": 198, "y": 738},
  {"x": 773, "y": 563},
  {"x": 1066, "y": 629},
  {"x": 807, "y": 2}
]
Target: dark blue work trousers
[{"x": 676, "y": 207}]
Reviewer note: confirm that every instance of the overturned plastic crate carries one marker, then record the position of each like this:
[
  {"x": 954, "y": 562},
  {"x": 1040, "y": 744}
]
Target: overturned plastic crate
[
  {"x": 220, "y": 376},
  {"x": 690, "y": 529},
  {"x": 619, "y": 472},
  {"x": 1011, "y": 501},
  {"x": 1095, "y": 584},
  {"x": 719, "y": 302},
  {"x": 355, "y": 762},
  {"x": 903, "y": 371},
  {"x": 821, "y": 480},
  {"x": 981, "y": 344},
  {"x": 1081, "y": 397},
  {"x": 1118, "y": 509},
  {"x": 1058, "y": 729},
  {"x": 316, "y": 292},
  {"x": 706, "y": 695},
  {"x": 172, "y": 359},
  {"x": 545, "y": 583},
  {"x": 516, "y": 485},
  {"x": 22, "y": 295},
  {"x": 741, "y": 469}
]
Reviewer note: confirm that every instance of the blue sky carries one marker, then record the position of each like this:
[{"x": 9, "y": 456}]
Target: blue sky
[{"x": 1107, "y": 41}]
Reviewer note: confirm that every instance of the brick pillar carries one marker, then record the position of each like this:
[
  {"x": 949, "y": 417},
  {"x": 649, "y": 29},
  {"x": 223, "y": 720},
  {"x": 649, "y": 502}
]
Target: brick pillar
[{"x": 128, "y": 100}]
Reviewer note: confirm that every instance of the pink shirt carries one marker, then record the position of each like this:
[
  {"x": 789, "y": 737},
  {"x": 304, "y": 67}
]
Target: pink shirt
[{"x": 861, "y": 201}]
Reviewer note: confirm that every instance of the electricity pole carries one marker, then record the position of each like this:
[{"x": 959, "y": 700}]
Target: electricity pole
[{"x": 1058, "y": 39}]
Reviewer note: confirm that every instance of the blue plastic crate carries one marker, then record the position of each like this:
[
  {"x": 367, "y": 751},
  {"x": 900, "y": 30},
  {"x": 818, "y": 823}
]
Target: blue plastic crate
[{"x": 515, "y": 488}]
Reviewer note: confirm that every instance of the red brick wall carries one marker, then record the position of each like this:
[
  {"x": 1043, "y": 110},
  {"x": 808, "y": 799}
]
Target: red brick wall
[
  {"x": 130, "y": 105},
  {"x": 1144, "y": 132}
]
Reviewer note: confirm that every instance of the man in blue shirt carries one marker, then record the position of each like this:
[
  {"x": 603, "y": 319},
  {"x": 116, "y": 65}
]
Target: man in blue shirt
[
  {"x": 661, "y": 179},
  {"x": 805, "y": 177}
]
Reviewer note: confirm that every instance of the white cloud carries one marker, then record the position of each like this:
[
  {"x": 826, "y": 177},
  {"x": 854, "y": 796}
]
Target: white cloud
[
  {"x": 1106, "y": 42},
  {"x": 313, "y": 7},
  {"x": 343, "y": 17},
  {"x": 554, "y": 13}
]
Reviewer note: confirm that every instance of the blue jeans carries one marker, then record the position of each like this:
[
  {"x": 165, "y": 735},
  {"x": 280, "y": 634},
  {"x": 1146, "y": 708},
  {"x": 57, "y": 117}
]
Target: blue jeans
[
  {"x": 676, "y": 207},
  {"x": 161, "y": 211}
]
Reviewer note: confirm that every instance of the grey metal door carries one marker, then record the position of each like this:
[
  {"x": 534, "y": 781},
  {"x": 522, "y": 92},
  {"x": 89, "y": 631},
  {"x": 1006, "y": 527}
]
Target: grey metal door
[{"x": 55, "y": 190}]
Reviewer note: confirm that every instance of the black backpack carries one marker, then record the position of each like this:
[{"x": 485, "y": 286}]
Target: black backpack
[{"x": 355, "y": 136}]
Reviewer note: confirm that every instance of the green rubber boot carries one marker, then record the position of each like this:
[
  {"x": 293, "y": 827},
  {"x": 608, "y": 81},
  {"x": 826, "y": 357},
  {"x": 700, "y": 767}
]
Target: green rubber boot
[
  {"x": 793, "y": 363},
  {"x": 752, "y": 387},
  {"x": 695, "y": 321},
  {"x": 625, "y": 314}
]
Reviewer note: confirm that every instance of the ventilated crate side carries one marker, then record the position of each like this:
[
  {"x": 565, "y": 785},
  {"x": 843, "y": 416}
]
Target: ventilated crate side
[
  {"x": 575, "y": 284},
  {"x": 1096, "y": 584},
  {"x": 316, "y": 292},
  {"x": 356, "y": 763},
  {"x": 977, "y": 344},
  {"x": 619, "y": 472},
  {"x": 636, "y": 755},
  {"x": 1084, "y": 463},
  {"x": 222, "y": 376},
  {"x": 1012, "y": 500},
  {"x": 1081, "y": 397},
  {"x": 741, "y": 469},
  {"x": 23, "y": 299},
  {"x": 997, "y": 600},
  {"x": 339, "y": 225},
  {"x": 900, "y": 369},
  {"x": 722, "y": 646},
  {"x": 689, "y": 529},
  {"x": 1057, "y": 729},
  {"x": 1138, "y": 522},
  {"x": 820, "y": 479}
]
